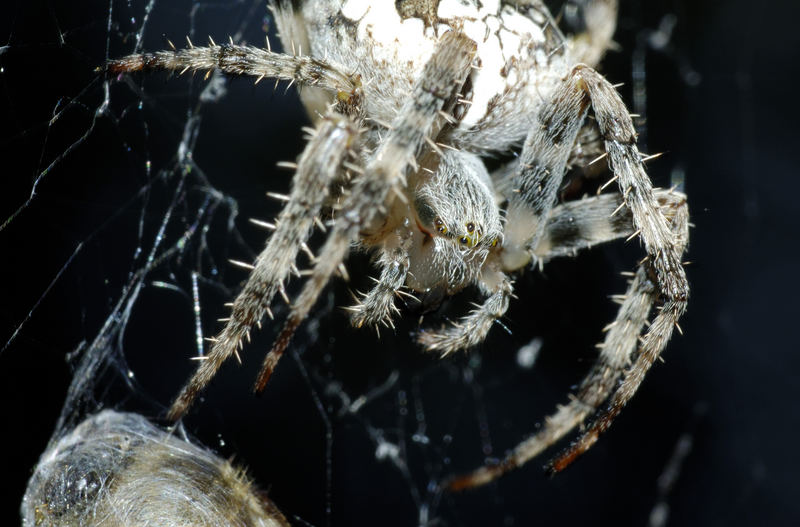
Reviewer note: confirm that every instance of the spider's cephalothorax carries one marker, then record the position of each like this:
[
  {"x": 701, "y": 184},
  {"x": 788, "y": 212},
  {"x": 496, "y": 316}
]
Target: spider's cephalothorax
[{"x": 408, "y": 96}]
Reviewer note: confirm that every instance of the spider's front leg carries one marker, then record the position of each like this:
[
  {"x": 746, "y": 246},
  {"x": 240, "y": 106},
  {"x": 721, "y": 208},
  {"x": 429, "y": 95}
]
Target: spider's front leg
[
  {"x": 651, "y": 345},
  {"x": 319, "y": 166},
  {"x": 540, "y": 172},
  {"x": 571, "y": 227},
  {"x": 384, "y": 178}
]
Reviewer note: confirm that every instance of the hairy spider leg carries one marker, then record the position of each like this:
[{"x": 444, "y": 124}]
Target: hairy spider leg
[
  {"x": 664, "y": 246},
  {"x": 574, "y": 226},
  {"x": 319, "y": 166},
  {"x": 652, "y": 345},
  {"x": 377, "y": 305},
  {"x": 238, "y": 60},
  {"x": 540, "y": 172},
  {"x": 577, "y": 225}
]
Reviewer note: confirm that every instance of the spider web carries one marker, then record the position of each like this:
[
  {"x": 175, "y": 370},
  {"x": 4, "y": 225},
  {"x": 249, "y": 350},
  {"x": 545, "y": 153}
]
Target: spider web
[{"x": 139, "y": 192}]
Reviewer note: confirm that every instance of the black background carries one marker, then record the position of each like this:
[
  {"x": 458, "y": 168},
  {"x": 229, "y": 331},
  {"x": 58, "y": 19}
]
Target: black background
[{"x": 729, "y": 382}]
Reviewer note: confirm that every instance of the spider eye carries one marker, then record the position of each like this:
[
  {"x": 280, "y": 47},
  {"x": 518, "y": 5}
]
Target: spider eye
[
  {"x": 464, "y": 240},
  {"x": 470, "y": 227},
  {"x": 440, "y": 226}
]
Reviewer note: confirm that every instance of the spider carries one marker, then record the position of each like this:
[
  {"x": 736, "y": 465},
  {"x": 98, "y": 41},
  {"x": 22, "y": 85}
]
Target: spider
[{"x": 409, "y": 97}]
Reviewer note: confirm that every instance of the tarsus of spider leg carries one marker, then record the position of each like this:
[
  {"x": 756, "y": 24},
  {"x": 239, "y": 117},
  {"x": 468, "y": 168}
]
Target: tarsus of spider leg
[
  {"x": 652, "y": 344},
  {"x": 239, "y": 60},
  {"x": 319, "y": 165},
  {"x": 384, "y": 175}
]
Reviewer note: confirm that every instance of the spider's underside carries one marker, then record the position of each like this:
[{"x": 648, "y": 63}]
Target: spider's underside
[{"x": 407, "y": 97}]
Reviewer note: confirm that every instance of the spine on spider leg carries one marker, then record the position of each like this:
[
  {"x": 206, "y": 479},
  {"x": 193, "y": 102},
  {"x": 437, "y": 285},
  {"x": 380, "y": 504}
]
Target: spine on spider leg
[
  {"x": 239, "y": 60},
  {"x": 574, "y": 225},
  {"x": 384, "y": 176},
  {"x": 319, "y": 165},
  {"x": 360, "y": 208}
]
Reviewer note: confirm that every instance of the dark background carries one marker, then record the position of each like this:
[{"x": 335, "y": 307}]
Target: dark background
[{"x": 727, "y": 384}]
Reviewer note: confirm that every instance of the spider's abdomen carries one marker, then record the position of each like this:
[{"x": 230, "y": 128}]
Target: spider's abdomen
[{"x": 519, "y": 59}]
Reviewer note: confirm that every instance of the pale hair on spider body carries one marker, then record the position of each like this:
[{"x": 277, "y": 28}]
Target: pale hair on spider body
[
  {"x": 407, "y": 98},
  {"x": 118, "y": 470}
]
